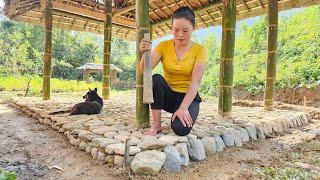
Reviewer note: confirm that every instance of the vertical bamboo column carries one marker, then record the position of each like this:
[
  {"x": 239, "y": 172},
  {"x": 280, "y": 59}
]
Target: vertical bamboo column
[
  {"x": 47, "y": 50},
  {"x": 142, "y": 26},
  {"x": 107, "y": 50},
  {"x": 227, "y": 55},
  {"x": 272, "y": 52}
]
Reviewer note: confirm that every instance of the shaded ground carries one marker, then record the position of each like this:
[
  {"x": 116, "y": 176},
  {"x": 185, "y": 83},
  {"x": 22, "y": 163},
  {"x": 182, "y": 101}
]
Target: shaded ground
[{"x": 31, "y": 149}]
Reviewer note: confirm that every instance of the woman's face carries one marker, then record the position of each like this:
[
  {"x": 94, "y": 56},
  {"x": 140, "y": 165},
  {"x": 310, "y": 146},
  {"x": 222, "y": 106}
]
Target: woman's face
[{"x": 182, "y": 30}]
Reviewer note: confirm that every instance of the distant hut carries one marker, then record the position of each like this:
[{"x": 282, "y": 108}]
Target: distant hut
[{"x": 97, "y": 68}]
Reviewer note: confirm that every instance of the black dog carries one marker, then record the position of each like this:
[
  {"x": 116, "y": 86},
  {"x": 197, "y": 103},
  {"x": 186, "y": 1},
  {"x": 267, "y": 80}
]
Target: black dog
[{"x": 92, "y": 105}]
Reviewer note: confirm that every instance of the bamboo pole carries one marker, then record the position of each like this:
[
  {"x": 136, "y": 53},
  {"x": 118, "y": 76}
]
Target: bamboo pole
[
  {"x": 107, "y": 50},
  {"x": 142, "y": 26},
  {"x": 227, "y": 55},
  {"x": 272, "y": 52},
  {"x": 147, "y": 75},
  {"x": 47, "y": 50}
]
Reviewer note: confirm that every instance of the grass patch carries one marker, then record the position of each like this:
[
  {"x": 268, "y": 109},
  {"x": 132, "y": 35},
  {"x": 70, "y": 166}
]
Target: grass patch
[
  {"x": 5, "y": 175},
  {"x": 284, "y": 173}
]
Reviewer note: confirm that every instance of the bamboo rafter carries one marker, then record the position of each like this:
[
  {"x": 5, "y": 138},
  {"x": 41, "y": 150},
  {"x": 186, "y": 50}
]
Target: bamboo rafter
[{"x": 75, "y": 13}]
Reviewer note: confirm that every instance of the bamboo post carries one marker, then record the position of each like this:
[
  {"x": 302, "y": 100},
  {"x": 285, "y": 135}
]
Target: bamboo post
[
  {"x": 142, "y": 26},
  {"x": 272, "y": 52},
  {"x": 227, "y": 55},
  {"x": 86, "y": 75},
  {"x": 147, "y": 75},
  {"x": 127, "y": 153},
  {"x": 47, "y": 50},
  {"x": 107, "y": 50}
]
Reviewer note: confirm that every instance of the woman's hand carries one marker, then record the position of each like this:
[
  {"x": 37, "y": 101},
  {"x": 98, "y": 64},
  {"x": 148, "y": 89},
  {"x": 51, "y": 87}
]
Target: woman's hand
[
  {"x": 184, "y": 116},
  {"x": 145, "y": 45}
]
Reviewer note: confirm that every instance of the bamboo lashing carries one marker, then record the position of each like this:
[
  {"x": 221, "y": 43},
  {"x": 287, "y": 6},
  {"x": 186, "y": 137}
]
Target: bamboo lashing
[{"x": 147, "y": 75}]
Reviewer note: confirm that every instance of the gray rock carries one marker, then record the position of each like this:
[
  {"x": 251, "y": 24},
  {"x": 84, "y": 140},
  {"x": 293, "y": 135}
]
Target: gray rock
[
  {"x": 82, "y": 146},
  {"x": 196, "y": 150},
  {"x": 294, "y": 122},
  {"x": 118, "y": 160},
  {"x": 259, "y": 130},
  {"x": 120, "y": 149},
  {"x": 237, "y": 138},
  {"x": 184, "y": 155},
  {"x": 107, "y": 141},
  {"x": 209, "y": 145},
  {"x": 191, "y": 136},
  {"x": 121, "y": 138},
  {"x": 88, "y": 148},
  {"x": 182, "y": 139},
  {"x": 252, "y": 132},
  {"x": 305, "y": 118},
  {"x": 228, "y": 138},
  {"x": 94, "y": 152},
  {"x": 298, "y": 121},
  {"x": 173, "y": 160},
  {"x": 134, "y": 141},
  {"x": 289, "y": 122},
  {"x": 244, "y": 135},
  {"x": 169, "y": 139},
  {"x": 277, "y": 128},
  {"x": 219, "y": 143},
  {"x": 267, "y": 129},
  {"x": 151, "y": 142},
  {"x": 74, "y": 141},
  {"x": 148, "y": 162},
  {"x": 103, "y": 130},
  {"x": 110, "y": 134},
  {"x": 101, "y": 156}
]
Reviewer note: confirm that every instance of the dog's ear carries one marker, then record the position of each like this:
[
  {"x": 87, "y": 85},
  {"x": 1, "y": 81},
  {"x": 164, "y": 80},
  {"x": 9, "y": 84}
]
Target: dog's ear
[
  {"x": 95, "y": 90},
  {"x": 90, "y": 90}
]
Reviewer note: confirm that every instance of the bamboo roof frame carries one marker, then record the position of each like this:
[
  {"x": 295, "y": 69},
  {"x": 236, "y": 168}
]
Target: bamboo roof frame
[{"x": 89, "y": 16}]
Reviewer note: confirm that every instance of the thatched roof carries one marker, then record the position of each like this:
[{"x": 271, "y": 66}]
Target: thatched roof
[
  {"x": 99, "y": 67},
  {"x": 88, "y": 15}
]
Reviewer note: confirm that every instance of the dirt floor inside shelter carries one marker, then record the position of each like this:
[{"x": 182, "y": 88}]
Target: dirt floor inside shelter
[{"x": 36, "y": 151}]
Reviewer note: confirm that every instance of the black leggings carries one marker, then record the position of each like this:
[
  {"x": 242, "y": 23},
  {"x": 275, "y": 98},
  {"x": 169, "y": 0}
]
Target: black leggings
[{"x": 168, "y": 100}]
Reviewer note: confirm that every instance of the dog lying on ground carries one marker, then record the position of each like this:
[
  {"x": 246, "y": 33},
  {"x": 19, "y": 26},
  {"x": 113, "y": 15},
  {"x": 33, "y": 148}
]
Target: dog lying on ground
[{"x": 92, "y": 105}]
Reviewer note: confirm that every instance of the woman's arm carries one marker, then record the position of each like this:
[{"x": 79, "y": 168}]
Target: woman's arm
[
  {"x": 155, "y": 56},
  {"x": 183, "y": 112}
]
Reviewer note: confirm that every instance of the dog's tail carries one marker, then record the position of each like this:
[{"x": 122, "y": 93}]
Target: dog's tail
[{"x": 60, "y": 112}]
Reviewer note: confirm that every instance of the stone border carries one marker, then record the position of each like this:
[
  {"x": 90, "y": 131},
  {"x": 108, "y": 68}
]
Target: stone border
[
  {"x": 313, "y": 112},
  {"x": 150, "y": 153}
]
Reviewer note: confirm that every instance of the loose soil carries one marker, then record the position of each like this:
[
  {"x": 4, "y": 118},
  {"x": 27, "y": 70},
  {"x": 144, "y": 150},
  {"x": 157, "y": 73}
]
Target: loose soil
[{"x": 36, "y": 151}]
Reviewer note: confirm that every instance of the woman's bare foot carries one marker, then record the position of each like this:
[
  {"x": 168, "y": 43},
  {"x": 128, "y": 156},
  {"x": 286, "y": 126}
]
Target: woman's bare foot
[{"x": 153, "y": 131}]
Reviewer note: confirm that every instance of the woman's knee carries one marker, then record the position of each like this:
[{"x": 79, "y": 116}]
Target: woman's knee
[
  {"x": 157, "y": 78},
  {"x": 179, "y": 129}
]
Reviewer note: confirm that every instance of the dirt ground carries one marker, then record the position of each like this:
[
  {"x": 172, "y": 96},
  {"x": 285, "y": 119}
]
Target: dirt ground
[{"x": 36, "y": 151}]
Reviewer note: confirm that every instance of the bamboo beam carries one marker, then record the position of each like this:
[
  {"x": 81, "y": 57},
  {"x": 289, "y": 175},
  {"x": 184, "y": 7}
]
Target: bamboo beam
[
  {"x": 59, "y": 6},
  {"x": 107, "y": 50},
  {"x": 188, "y": 3},
  {"x": 272, "y": 53},
  {"x": 196, "y": 11},
  {"x": 261, "y": 4},
  {"x": 127, "y": 9},
  {"x": 47, "y": 50},
  {"x": 142, "y": 26},
  {"x": 227, "y": 55}
]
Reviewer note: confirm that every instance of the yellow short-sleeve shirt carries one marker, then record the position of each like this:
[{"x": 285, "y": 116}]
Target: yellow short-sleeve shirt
[{"x": 178, "y": 73}]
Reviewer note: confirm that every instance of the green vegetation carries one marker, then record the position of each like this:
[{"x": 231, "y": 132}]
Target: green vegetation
[
  {"x": 285, "y": 173},
  {"x": 298, "y": 63},
  {"x": 5, "y": 175},
  {"x": 19, "y": 83}
]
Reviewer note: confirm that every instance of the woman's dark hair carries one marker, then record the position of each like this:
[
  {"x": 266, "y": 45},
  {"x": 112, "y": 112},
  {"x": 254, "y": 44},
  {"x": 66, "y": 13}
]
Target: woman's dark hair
[{"x": 184, "y": 12}]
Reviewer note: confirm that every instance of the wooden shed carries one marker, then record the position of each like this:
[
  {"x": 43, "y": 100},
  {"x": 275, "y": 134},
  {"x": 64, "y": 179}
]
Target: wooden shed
[{"x": 98, "y": 68}]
